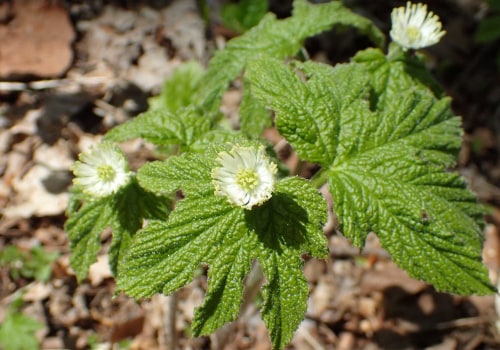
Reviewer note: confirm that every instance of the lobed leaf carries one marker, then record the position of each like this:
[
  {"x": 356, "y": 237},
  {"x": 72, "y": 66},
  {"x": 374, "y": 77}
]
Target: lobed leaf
[
  {"x": 164, "y": 255},
  {"x": 288, "y": 225},
  {"x": 276, "y": 38},
  {"x": 205, "y": 229},
  {"x": 393, "y": 181},
  {"x": 386, "y": 162},
  {"x": 308, "y": 123},
  {"x": 285, "y": 296},
  {"x": 130, "y": 208}
]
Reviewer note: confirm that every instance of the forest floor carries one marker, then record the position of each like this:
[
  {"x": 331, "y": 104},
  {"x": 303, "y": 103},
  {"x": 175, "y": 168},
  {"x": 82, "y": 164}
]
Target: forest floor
[{"x": 71, "y": 70}]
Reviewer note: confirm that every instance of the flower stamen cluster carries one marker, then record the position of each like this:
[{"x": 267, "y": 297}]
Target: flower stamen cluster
[
  {"x": 102, "y": 170},
  {"x": 413, "y": 27},
  {"x": 245, "y": 176}
]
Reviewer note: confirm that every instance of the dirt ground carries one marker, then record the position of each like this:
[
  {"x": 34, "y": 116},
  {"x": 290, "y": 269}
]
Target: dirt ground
[{"x": 71, "y": 70}]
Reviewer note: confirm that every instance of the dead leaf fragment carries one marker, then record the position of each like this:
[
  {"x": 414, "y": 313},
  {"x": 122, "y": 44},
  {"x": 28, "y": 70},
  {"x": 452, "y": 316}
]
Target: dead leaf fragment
[{"x": 37, "y": 41}]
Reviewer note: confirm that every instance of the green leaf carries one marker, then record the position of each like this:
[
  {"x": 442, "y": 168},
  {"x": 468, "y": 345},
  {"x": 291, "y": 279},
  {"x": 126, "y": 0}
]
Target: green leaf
[
  {"x": 386, "y": 168},
  {"x": 289, "y": 224},
  {"x": 124, "y": 212},
  {"x": 285, "y": 297},
  {"x": 217, "y": 136},
  {"x": 276, "y": 38},
  {"x": 488, "y": 30},
  {"x": 206, "y": 229},
  {"x": 224, "y": 296},
  {"x": 165, "y": 255},
  {"x": 37, "y": 263},
  {"x": 243, "y": 15},
  {"x": 254, "y": 116},
  {"x": 390, "y": 75},
  {"x": 130, "y": 208},
  {"x": 84, "y": 230},
  {"x": 17, "y": 331},
  {"x": 308, "y": 122},
  {"x": 162, "y": 127},
  {"x": 191, "y": 172},
  {"x": 291, "y": 220},
  {"x": 179, "y": 90},
  {"x": 392, "y": 181}
]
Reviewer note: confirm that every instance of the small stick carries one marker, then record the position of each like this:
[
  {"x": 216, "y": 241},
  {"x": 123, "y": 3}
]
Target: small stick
[{"x": 170, "y": 321}]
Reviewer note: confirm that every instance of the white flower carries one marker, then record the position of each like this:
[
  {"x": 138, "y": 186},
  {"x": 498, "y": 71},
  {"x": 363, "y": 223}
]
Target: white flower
[
  {"x": 414, "y": 27},
  {"x": 246, "y": 176},
  {"x": 102, "y": 170}
]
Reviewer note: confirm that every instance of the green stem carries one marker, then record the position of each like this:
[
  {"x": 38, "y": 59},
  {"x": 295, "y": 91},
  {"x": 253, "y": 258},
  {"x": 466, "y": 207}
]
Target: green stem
[
  {"x": 319, "y": 178},
  {"x": 396, "y": 52}
]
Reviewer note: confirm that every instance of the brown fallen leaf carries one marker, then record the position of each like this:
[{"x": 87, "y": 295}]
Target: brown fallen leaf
[{"x": 37, "y": 41}]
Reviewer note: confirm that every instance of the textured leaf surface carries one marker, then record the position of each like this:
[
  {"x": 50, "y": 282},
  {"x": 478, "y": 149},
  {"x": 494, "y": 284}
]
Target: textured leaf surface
[
  {"x": 290, "y": 223},
  {"x": 179, "y": 90},
  {"x": 84, "y": 229},
  {"x": 276, "y": 38},
  {"x": 285, "y": 297},
  {"x": 254, "y": 116},
  {"x": 191, "y": 172},
  {"x": 130, "y": 208},
  {"x": 396, "y": 73},
  {"x": 392, "y": 181},
  {"x": 165, "y": 254},
  {"x": 123, "y": 212},
  {"x": 306, "y": 112},
  {"x": 162, "y": 127},
  {"x": 205, "y": 229},
  {"x": 386, "y": 168}
]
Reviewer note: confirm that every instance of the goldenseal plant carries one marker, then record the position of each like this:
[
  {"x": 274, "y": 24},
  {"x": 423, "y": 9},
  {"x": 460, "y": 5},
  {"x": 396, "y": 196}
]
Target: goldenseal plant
[{"x": 379, "y": 129}]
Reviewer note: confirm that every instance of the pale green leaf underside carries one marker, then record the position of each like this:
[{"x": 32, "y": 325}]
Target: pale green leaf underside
[
  {"x": 276, "y": 38},
  {"x": 386, "y": 167}
]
